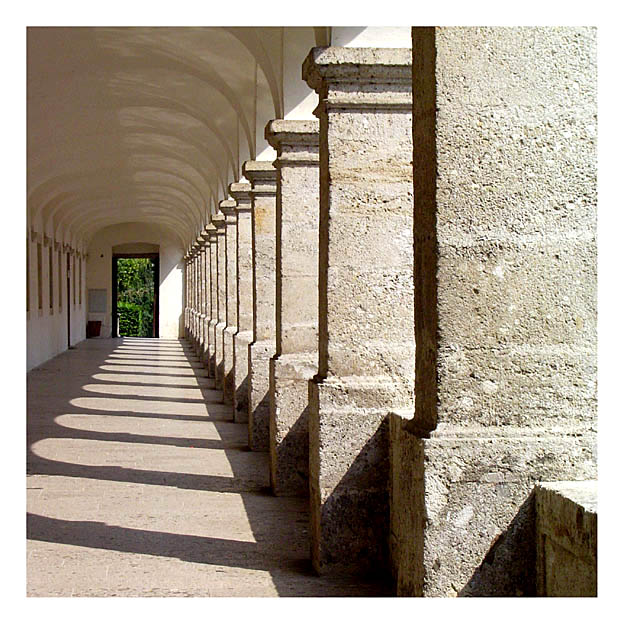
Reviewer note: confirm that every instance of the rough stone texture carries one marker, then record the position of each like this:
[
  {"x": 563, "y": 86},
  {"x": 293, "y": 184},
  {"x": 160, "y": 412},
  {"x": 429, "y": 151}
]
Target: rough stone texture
[
  {"x": 214, "y": 301},
  {"x": 138, "y": 485},
  {"x": 204, "y": 293},
  {"x": 228, "y": 208},
  {"x": 366, "y": 307},
  {"x": 221, "y": 297},
  {"x": 244, "y": 297},
  {"x": 296, "y": 319},
  {"x": 210, "y": 241},
  {"x": 187, "y": 295},
  {"x": 505, "y": 290},
  {"x": 567, "y": 538},
  {"x": 262, "y": 176}
]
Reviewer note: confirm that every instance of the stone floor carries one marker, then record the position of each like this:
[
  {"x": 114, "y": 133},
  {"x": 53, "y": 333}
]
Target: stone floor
[{"x": 140, "y": 485}]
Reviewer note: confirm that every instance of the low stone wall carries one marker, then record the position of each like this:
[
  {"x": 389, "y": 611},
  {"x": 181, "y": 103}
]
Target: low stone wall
[{"x": 567, "y": 519}]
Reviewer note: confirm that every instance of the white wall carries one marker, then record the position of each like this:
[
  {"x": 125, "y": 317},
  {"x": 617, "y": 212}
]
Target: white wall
[
  {"x": 46, "y": 328},
  {"x": 99, "y": 271}
]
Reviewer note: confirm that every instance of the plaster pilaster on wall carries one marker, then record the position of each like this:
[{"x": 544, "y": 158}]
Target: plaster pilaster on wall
[
  {"x": 219, "y": 222},
  {"x": 228, "y": 208},
  {"x": 505, "y": 294},
  {"x": 214, "y": 298},
  {"x": 296, "y": 359},
  {"x": 241, "y": 192},
  {"x": 262, "y": 176},
  {"x": 366, "y": 313}
]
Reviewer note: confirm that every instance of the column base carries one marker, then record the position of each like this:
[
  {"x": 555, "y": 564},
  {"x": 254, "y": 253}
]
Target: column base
[
  {"x": 288, "y": 423},
  {"x": 218, "y": 366},
  {"x": 228, "y": 365},
  {"x": 211, "y": 363},
  {"x": 260, "y": 354},
  {"x": 242, "y": 340},
  {"x": 205, "y": 354},
  {"x": 471, "y": 531},
  {"x": 349, "y": 498},
  {"x": 201, "y": 323}
]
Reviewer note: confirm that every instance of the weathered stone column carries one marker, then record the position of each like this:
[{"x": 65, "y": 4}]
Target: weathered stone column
[
  {"x": 296, "y": 358},
  {"x": 505, "y": 289},
  {"x": 219, "y": 222},
  {"x": 228, "y": 208},
  {"x": 214, "y": 299},
  {"x": 209, "y": 238},
  {"x": 200, "y": 294},
  {"x": 187, "y": 294},
  {"x": 195, "y": 297},
  {"x": 189, "y": 283},
  {"x": 262, "y": 176},
  {"x": 366, "y": 305},
  {"x": 241, "y": 192},
  {"x": 204, "y": 294}
]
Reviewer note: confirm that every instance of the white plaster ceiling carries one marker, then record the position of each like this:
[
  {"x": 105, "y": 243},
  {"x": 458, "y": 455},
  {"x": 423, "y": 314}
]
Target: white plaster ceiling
[{"x": 148, "y": 124}]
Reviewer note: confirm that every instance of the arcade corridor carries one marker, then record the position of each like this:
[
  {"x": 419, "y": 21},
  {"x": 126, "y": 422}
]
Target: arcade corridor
[{"x": 139, "y": 486}]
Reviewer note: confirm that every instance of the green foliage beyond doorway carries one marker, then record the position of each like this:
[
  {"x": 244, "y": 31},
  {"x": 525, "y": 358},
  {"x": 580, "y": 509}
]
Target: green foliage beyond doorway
[{"x": 135, "y": 296}]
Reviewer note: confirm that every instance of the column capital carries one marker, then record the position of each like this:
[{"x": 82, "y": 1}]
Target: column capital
[
  {"x": 295, "y": 140},
  {"x": 218, "y": 221},
  {"x": 383, "y": 76},
  {"x": 228, "y": 208},
  {"x": 241, "y": 192},
  {"x": 208, "y": 228},
  {"x": 262, "y": 175}
]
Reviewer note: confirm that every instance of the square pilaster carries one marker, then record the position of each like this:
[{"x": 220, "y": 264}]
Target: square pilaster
[
  {"x": 228, "y": 208},
  {"x": 366, "y": 313},
  {"x": 296, "y": 358},
  {"x": 241, "y": 192},
  {"x": 261, "y": 175}
]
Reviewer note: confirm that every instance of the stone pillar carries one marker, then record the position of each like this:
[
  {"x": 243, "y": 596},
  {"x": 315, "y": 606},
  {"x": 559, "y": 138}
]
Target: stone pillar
[
  {"x": 366, "y": 305},
  {"x": 209, "y": 238},
  {"x": 203, "y": 336},
  {"x": 198, "y": 315},
  {"x": 262, "y": 176},
  {"x": 228, "y": 208},
  {"x": 296, "y": 358},
  {"x": 219, "y": 222},
  {"x": 214, "y": 299},
  {"x": 189, "y": 283},
  {"x": 194, "y": 308},
  {"x": 187, "y": 294},
  {"x": 505, "y": 290},
  {"x": 241, "y": 192}
]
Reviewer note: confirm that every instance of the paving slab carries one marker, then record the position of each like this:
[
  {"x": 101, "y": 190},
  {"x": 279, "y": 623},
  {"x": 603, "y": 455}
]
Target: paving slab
[{"x": 139, "y": 484}]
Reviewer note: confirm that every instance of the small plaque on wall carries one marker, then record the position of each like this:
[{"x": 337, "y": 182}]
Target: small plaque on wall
[{"x": 97, "y": 300}]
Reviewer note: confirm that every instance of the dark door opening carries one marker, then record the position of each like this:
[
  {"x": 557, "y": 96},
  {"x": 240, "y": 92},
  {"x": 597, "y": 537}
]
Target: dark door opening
[{"x": 135, "y": 295}]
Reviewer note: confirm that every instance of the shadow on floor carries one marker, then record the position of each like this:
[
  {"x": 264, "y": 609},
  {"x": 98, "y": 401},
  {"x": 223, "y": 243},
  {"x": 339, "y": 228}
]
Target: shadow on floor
[{"x": 279, "y": 525}]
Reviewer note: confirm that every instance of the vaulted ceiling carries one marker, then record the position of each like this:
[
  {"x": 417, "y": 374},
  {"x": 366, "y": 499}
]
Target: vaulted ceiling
[{"x": 149, "y": 124}]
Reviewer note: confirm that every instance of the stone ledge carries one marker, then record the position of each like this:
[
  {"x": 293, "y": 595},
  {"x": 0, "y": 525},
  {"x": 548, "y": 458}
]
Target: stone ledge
[
  {"x": 338, "y": 64},
  {"x": 567, "y": 534}
]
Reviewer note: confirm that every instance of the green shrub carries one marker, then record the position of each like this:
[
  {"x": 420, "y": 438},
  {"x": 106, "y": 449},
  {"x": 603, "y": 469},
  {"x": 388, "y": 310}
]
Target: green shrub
[
  {"x": 135, "y": 296},
  {"x": 130, "y": 319}
]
